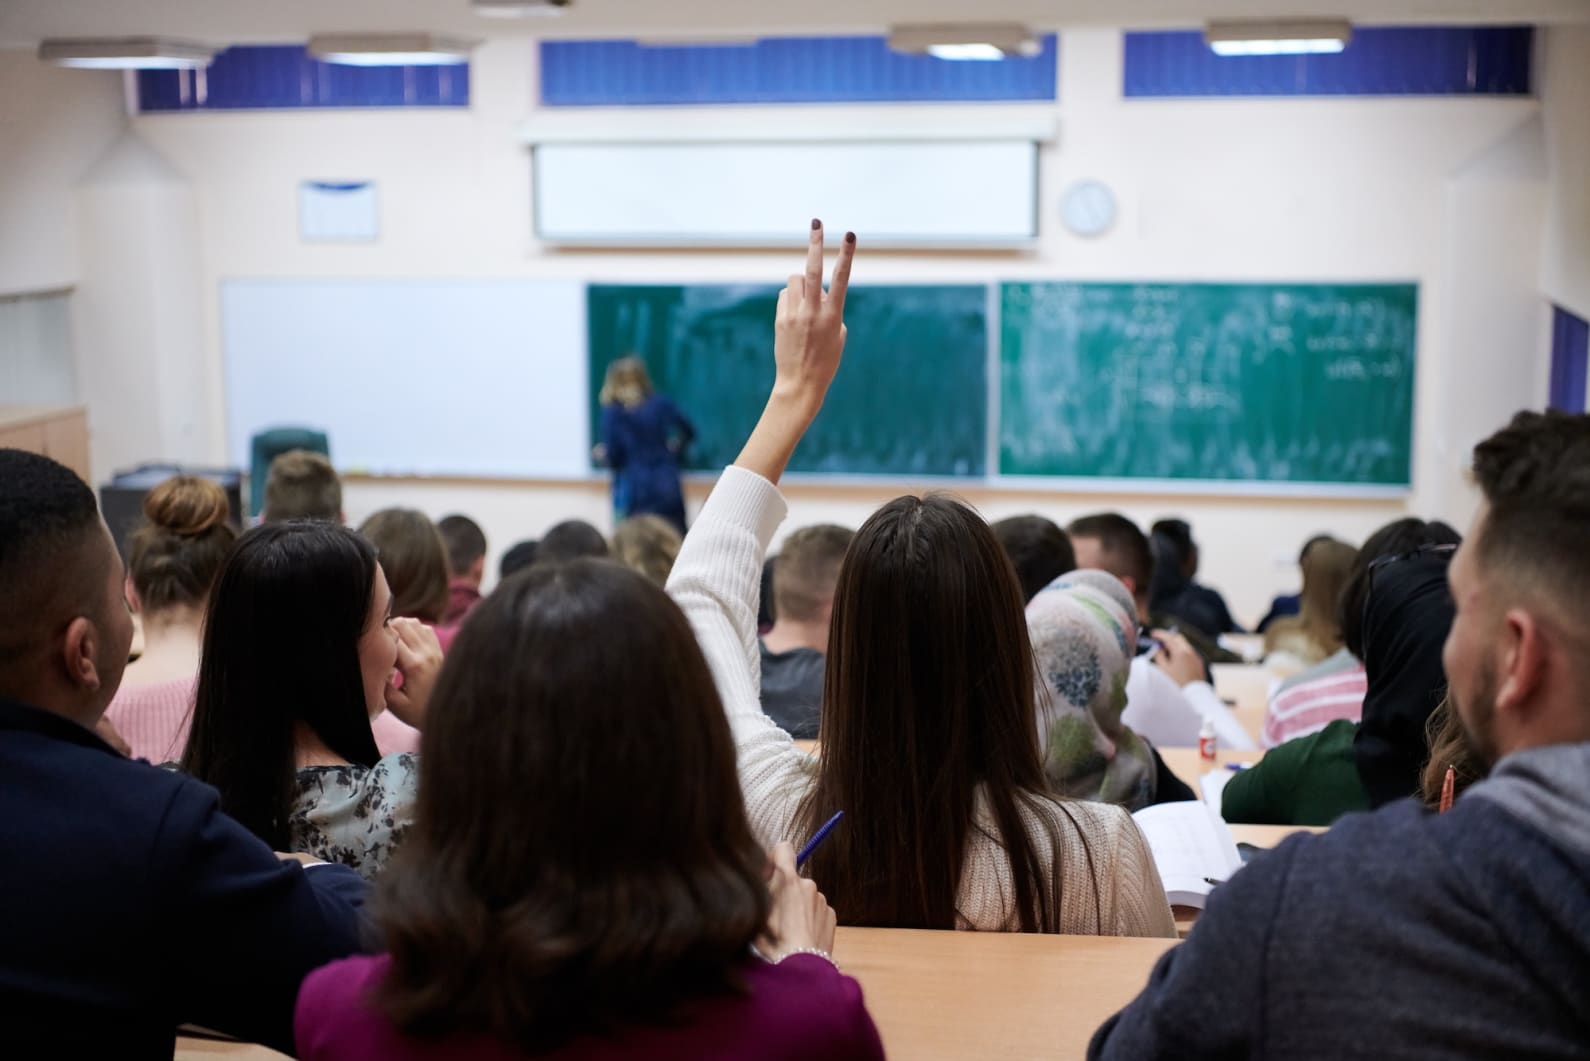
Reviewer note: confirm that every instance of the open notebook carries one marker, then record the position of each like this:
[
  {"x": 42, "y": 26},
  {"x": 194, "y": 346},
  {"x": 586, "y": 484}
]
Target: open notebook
[{"x": 1191, "y": 846}]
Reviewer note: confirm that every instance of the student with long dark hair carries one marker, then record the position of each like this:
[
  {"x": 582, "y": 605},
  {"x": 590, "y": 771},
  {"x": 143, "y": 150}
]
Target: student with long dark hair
[
  {"x": 299, "y": 652},
  {"x": 581, "y": 880},
  {"x": 929, "y": 726}
]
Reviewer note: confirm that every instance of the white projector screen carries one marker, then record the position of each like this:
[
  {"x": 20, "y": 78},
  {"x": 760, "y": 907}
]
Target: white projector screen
[{"x": 964, "y": 193}]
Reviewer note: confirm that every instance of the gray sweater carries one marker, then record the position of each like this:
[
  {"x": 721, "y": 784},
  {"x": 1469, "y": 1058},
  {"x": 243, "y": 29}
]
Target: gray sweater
[{"x": 1398, "y": 934}]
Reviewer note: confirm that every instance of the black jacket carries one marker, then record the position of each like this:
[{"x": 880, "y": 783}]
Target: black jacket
[{"x": 130, "y": 904}]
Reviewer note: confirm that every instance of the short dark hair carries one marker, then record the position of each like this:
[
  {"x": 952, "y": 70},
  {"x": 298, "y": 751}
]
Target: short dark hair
[
  {"x": 46, "y": 516},
  {"x": 281, "y": 646},
  {"x": 302, "y": 484},
  {"x": 465, "y": 542},
  {"x": 1178, "y": 531},
  {"x": 414, "y": 559},
  {"x": 519, "y": 556},
  {"x": 573, "y": 539},
  {"x": 1395, "y": 538},
  {"x": 1039, "y": 549},
  {"x": 1535, "y": 474},
  {"x": 807, "y": 570},
  {"x": 535, "y": 898},
  {"x": 1123, "y": 542}
]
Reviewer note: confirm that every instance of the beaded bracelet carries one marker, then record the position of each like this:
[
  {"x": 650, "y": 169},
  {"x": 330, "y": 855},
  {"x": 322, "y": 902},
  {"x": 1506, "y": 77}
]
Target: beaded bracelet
[{"x": 818, "y": 952}]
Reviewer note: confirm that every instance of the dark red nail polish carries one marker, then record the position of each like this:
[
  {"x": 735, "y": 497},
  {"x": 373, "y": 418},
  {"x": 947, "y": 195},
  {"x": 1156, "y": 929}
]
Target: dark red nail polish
[
  {"x": 816, "y": 224},
  {"x": 850, "y": 237}
]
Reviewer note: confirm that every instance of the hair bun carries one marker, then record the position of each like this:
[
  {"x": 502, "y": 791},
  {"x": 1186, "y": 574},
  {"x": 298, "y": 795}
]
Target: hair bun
[{"x": 187, "y": 506}]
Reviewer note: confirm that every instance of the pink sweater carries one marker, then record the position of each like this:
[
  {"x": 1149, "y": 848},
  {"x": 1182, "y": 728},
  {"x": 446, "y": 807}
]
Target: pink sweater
[
  {"x": 154, "y": 719},
  {"x": 801, "y": 1009}
]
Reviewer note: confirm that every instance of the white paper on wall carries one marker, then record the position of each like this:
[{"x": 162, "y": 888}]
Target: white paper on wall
[{"x": 337, "y": 212}]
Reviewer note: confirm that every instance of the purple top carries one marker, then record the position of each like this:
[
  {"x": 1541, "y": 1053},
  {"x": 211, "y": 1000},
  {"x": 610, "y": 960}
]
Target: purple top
[{"x": 800, "y": 1008}]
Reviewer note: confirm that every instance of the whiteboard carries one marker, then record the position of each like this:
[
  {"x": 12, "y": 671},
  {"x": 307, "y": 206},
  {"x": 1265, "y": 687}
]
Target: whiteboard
[
  {"x": 413, "y": 377},
  {"x": 971, "y": 193}
]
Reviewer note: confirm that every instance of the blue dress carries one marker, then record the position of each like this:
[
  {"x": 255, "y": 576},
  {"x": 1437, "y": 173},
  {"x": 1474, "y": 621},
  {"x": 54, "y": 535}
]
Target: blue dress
[{"x": 643, "y": 446}]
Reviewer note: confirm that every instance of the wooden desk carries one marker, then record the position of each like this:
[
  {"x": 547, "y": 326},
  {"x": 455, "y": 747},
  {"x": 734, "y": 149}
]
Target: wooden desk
[
  {"x": 1186, "y": 764},
  {"x": 952, "y": 994},
  {"x": 992, "y": 994},
  {"x": 1248, "y": 684},
  {"x": 59, "y": 432}
]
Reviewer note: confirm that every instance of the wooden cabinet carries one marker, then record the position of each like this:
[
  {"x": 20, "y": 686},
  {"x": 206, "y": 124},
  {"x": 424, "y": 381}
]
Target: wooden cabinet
[{"x": 59, "y": 432}]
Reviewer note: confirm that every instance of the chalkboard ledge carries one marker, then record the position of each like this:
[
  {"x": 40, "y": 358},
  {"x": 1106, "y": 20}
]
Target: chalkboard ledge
[{"x": 700, "y": 482}]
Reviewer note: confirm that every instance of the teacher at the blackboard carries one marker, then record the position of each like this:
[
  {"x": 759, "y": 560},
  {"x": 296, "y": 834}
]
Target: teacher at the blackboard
[{"x": 643, "y": 434}]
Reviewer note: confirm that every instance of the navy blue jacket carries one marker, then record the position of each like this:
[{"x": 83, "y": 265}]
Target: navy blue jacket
[
  {"x": 130, "y": 904},
  {"x": 1398, "y": 934}
]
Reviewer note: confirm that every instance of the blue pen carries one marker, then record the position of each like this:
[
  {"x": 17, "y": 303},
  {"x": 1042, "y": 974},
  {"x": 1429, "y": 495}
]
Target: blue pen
[
  {"x": 822, "y": 834},
  {"x": 1236, "y": 766}
]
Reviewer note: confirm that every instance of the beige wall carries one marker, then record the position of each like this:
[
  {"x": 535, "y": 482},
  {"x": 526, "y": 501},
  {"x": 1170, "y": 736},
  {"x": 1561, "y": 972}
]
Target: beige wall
[
  {"x": 1451, "y": 193},
  {"x": 53, "y": 124}
]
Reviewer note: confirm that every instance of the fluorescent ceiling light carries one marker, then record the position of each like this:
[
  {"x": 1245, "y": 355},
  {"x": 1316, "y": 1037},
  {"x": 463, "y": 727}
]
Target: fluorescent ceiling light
[
  {"x": 518, "y": 8},
  {"x": 972, "y": 41},
  {"x": 1278, "y": 36},
  {"x": 390, "y": 49},
  {"x": 126, "y": 53}
]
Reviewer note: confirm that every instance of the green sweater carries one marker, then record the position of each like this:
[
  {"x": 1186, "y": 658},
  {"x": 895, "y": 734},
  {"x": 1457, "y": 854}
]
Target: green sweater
[{"x": 1308, "y": 781}]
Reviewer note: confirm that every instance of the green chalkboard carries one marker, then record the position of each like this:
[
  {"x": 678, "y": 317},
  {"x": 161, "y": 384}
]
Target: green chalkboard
[
  {"x": 910, "y": 399},
  {"x": 1287, "y": 383}
]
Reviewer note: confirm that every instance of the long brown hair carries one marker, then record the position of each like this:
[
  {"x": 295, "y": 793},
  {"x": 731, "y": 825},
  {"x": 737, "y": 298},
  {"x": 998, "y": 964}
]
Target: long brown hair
[
  {"x": 414, "y": 559},
  {"x": 928, "y": 700},
  {"x": 1326, "y": 571},
  {"x": 581, "y": 857}
]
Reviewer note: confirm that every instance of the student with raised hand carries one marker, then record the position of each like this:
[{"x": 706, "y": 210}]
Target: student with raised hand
[
  {"x": 930, "y": 743},
  {"x": 581, "y": 880},
  {"x": 131, "y": 904},
  {"x": 174, "y": 558},
  {"x": 299, "y": 654},
  {"x": 1406, "y": 932}
]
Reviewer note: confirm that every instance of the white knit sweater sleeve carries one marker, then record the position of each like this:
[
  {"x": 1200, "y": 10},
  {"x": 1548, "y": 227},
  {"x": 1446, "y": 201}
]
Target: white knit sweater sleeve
[{"x": 716, "y": 581}]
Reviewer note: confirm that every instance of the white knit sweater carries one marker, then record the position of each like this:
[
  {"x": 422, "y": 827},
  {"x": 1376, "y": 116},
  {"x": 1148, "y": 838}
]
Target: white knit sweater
[{"x": 1116, "y": 891}]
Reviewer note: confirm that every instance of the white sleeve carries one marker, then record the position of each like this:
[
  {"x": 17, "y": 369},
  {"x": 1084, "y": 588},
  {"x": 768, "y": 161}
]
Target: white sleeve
[
  {"x": 1156, "y": 710},
  {"x": 1228, "y": 731},
  {"x": 716, "y": 581}
]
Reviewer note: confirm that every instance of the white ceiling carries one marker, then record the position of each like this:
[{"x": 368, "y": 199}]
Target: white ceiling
[{"x": 24, "y": 22}]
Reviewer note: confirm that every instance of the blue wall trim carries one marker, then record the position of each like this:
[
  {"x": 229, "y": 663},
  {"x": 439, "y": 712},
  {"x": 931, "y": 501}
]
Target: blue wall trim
[
  {"x": 284, "y": 76},
  {"x": 1570, "y": 360},
  {"x": 1422, "y": 61},
  {"x": 781, "y": 70}
]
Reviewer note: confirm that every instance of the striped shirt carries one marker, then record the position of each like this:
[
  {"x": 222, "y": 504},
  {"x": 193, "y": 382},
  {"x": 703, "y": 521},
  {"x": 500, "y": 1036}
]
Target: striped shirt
[{"x": 1310, "y": 706}]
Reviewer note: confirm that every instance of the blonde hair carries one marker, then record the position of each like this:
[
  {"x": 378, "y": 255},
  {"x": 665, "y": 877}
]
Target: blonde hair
[
  {"x": 806, "y": 571},
  {"x": 649, "y": 545},
  {"x": 302, "y": 484},
  {"x": 627, "y": 382}
]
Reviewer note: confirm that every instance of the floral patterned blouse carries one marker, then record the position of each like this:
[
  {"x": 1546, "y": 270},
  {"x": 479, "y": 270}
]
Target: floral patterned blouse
[{"x": 355, "y": 815}]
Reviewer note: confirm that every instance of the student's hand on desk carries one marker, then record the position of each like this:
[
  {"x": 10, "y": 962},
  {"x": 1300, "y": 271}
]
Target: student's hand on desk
[
  {"x": 801, "y": 917},
  {"x": 419, "y": 659},
  {"x": 808, "y": 339},
  {"x": 1178, "y": 658}
]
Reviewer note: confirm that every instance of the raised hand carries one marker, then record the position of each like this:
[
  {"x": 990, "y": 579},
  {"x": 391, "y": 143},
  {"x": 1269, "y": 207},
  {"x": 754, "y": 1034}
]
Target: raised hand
[{"x": 808, "y": 339}]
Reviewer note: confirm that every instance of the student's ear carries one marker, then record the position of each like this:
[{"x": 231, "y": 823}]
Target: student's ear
[
  {"x": 1521, "y": 662},
  {"x": 1130, "y": 583},
  {"x": 78, "y": 653},
  {"x": 130, "y": 591}
]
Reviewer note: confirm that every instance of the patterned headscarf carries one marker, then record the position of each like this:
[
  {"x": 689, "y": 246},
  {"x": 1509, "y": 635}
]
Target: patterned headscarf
[{"x": 1084, "y": 630}]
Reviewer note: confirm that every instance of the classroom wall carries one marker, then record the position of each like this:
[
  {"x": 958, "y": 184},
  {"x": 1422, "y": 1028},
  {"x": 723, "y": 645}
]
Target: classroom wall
[
  {"x": 1448, "y": 192},
  {"x": 53, "y": 124},
  {"x": 1564, "y": 63}
]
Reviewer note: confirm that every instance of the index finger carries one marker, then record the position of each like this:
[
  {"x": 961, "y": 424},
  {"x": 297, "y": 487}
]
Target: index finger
[
  {"x": 841, "y": 281},
  {"x": 814, "y": 265}
]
